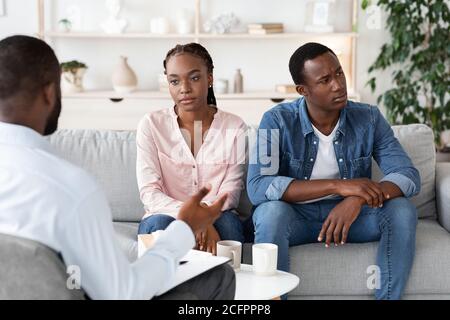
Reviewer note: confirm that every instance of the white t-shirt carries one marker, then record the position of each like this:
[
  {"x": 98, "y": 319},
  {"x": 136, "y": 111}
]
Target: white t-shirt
[{"x": 326, "y": 166}]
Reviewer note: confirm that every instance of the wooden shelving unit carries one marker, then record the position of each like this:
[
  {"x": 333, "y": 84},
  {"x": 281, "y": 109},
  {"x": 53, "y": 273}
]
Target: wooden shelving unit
[
  {"x": 143, "y": 94},
  {"x": 229, "y": 36},
  {"x": 198, "y": 35},
  {"x": 249, "y": 104}
]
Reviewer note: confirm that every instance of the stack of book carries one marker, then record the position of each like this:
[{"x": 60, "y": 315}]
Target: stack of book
[
  {"x": 265, "y": 28},
  {"x": 286, "y": 88}
]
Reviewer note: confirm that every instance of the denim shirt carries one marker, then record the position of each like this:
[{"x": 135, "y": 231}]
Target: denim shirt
[{"x": 286, "y": 149}]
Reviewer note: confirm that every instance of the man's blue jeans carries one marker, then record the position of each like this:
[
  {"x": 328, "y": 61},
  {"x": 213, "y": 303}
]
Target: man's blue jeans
[
  {"x": 228, "y": 225},
  {"x": 394, "y": 225}
]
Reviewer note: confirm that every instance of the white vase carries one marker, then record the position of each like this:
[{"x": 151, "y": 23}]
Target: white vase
[
  {"x": 159, "y": 25},
  {"x": 114, "y": 24},
  {"x": 72, "y": 82},
  {"x": 124, "y": 79},
  {"x": 184, "y": 22}
]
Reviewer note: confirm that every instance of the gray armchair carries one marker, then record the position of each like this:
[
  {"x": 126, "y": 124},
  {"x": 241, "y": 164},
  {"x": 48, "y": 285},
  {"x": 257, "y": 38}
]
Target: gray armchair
[{"x": 30, "y": 270}]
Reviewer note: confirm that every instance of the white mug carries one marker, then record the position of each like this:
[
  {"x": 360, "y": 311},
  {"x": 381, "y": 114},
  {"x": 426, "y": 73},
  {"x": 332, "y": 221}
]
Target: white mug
[
  {"x": 264, "y": 257},
  {"x": 230, "y": 249}
]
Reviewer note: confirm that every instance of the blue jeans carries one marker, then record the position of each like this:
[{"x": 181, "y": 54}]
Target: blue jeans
[
  {"x": 228, "y": 225},
  {"x": 394, "y": 225}
]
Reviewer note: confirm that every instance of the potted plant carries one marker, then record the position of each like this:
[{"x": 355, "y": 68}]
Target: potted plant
[
  {"x": 418, "y": 53},
  {"x": 72, "y": 73},
  {"x": 65, "y": 25}
]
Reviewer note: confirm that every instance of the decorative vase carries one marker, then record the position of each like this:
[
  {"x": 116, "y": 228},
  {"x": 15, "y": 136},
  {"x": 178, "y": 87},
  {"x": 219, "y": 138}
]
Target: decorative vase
[
  {"x": 238, "y": 82},
  {"x": 72, "y": 81},
  {"x": 64, "y": 25},
  {"x": 114, "y": 24},
  {"x": 124, "y": 79},
  {"x": 159, "y": 25},
  {"x": 184, "y": 22}
]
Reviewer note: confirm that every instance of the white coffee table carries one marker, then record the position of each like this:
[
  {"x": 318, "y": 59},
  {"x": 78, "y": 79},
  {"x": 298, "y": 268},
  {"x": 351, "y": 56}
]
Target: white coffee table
[{"x": 250, "y": 286}]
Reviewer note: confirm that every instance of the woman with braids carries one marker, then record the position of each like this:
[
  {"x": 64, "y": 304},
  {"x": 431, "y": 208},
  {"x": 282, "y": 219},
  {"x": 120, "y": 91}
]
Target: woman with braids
[{"x": 193, "y": 143}]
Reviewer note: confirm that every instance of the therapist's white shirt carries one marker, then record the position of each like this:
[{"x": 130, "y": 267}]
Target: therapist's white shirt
[{"x": 47, "y": 199}]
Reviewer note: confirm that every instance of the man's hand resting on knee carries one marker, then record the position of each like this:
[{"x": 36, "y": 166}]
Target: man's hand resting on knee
[{"x": 336, "y": 226}]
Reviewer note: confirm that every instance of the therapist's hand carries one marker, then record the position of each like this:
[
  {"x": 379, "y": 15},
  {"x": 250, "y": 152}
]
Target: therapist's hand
[{"x": 197, "y": 215}]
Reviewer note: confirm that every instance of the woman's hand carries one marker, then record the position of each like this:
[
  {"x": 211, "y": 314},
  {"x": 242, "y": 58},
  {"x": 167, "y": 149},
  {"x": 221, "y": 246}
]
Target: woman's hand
[
  {"x": 210, "y": 241},
  {"x": 207, "y": 239},
  {"x": 198, "y": 215}
]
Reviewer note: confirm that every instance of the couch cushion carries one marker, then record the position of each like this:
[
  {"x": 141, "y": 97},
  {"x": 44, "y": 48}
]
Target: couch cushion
[
  {"x": 343, "y": 270},
  {"x": 418, "y": 142},
  {"x": 110, "y": 156}
]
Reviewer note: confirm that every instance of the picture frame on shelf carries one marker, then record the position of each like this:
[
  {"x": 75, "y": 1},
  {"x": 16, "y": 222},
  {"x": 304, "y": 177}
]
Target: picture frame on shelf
[{"x": 320, "y": 16}]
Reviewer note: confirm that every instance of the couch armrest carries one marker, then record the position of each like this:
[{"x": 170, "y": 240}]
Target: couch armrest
[{"x": 443, "y": 193}]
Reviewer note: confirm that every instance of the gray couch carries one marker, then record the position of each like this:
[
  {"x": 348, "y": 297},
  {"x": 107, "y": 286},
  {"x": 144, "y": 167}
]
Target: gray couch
[{"x": 324, "y": 273}]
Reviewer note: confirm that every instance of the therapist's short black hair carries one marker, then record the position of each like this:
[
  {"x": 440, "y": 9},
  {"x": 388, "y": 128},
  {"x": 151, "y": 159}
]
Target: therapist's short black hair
[
  {"x": 27, "y": 64},
  {"x": 306, "y": 52}
]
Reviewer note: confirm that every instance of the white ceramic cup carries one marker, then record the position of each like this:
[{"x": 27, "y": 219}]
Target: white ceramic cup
[
  {"x": 264, "y": 257},
  {"x": 230, "y": 249}
]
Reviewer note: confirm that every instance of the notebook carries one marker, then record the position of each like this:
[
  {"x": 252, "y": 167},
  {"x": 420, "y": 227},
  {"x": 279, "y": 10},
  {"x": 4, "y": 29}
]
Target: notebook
[{"x": 194, "y": 263}]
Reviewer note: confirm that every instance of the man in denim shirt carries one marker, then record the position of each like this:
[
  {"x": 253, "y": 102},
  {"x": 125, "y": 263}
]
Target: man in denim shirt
[{"x": 309, "y": 174}]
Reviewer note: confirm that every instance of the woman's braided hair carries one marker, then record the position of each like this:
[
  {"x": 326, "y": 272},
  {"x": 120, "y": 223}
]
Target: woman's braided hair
[{"x": 199, "y": 51}]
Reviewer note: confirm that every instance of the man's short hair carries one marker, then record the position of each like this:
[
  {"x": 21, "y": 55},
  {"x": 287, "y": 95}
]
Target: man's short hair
[
  {"x": 306, "y": 52},
  {"x": 27, "y": 64}
]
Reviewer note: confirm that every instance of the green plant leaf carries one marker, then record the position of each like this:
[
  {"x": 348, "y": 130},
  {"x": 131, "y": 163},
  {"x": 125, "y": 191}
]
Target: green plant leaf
[
  {"x": 418, "y": 52},
  {"x": 72, "y": 65},
  {"x": 365, "y": 4}
]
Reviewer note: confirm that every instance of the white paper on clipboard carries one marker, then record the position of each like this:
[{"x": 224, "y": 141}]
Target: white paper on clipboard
[{"x": 197, "y": 263}]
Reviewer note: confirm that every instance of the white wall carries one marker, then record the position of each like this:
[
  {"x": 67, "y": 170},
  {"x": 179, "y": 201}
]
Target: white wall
[
  {"x": 263, "y": 62},
  {"x": 370, "y": 40},
  {"x": 20, "y": 18}
]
